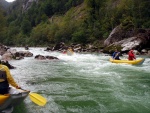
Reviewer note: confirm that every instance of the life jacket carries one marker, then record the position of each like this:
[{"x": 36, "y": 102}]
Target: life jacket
[
  {"x": 131, "y": 55},
  {"x": 3, "y": 80},
  {"x": 116, "y": 55}
]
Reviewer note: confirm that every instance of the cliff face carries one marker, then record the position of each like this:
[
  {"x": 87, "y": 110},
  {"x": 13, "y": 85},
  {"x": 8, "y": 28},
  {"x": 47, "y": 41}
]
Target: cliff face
[
  {"x": 21, "y": 6},
  {"x": 131, "y": 39},
  {"x": 4, "y": 4},
  {"x": 27, "y": 4}
]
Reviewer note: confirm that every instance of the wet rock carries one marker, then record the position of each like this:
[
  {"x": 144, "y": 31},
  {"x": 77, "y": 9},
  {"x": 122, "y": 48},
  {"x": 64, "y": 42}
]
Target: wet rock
[
  {"x": 148, "y": 53},
  {"x": 48, "y": 49},
  {"x": 8, "y": 64},
  {"x": 7, "y": 56},
  {"x": 60, "y": 46},
  {"x": 21, "y": 54},
  {"x": 40, "y": 57},
  {"x": 51, "y": 57},
  {"x": 3, "y": 49},
  {"x": 26, "y": 48}
]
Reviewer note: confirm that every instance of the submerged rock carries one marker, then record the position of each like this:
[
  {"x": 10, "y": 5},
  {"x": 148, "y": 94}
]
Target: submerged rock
[{"x": 41, "y": 57}]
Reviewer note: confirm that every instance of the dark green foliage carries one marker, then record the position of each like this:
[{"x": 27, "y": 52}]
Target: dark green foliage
[
  {"x": 79, "y": 36},
  {"x": 127, "y": 24},
  {"x": 26, "y": 26},
  {"x": 2, "y": 26},
  {"x": 2, "y": 19},
  {"x": 110, "y": 49},
  {"x": 81, "y": 21}
]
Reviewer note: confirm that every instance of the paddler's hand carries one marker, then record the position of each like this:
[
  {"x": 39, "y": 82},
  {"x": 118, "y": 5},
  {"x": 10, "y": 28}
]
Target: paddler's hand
[{"x": 18, "y": 87}]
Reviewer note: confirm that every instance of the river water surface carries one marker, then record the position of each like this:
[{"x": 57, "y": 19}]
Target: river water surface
[{"x": 83, "y": 83}]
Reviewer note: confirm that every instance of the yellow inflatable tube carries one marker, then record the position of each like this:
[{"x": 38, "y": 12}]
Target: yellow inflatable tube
[
  {"x": 3, "y": 98},
  {"x": 126, "y": 61}
]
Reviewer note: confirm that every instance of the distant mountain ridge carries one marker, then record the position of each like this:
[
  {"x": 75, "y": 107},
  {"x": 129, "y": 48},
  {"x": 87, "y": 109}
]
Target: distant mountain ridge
[{"x": 4, "y": 4}]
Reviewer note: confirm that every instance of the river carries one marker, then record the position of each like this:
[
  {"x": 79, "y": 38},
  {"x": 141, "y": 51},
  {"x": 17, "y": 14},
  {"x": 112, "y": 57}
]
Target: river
[{"x": 82, "y": 83}]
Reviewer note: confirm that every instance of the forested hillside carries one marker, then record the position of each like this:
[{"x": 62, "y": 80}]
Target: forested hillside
[
  {"x": 46, "y": 22},
  {"x": 4, "y": 5}
]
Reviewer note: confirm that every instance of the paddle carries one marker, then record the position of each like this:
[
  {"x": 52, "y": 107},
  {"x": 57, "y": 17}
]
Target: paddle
[
  {"x": 117, "y": 54},
  {"x": 37, "y": 99}
]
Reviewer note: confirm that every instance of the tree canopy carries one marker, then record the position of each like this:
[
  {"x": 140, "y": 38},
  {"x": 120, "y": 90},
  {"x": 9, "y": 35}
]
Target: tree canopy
[{"x": 71, "y": 21}]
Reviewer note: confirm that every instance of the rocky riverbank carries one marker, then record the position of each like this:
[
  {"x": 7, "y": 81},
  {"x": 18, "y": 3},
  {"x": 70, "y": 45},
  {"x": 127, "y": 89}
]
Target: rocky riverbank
[{"x": 120, "y": 38}]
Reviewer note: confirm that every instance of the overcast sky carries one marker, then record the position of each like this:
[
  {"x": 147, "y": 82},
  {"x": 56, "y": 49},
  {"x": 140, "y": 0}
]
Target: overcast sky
[{"x": 9, "y": 0}]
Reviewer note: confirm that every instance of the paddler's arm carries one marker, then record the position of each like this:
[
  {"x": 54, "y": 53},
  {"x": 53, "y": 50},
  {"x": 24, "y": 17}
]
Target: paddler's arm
[
  {"x": 10, "y": 78},
  {"x": 133, "y": 56}
]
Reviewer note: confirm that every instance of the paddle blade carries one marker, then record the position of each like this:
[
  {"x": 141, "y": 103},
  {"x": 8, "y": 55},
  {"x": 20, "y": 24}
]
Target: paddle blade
[{"x": 37, "y": 99}]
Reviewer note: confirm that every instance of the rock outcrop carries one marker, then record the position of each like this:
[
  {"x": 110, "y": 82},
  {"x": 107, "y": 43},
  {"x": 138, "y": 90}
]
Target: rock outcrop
[
  {"x": 61, "y": 47},
  {"x": 9, "y": 54},
  {"x": 28, "y": 4},
  {"x": 138, "y": 39}
]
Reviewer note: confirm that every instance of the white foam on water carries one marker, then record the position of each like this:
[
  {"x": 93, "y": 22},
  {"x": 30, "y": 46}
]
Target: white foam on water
[{"x": 83, "y": 77}]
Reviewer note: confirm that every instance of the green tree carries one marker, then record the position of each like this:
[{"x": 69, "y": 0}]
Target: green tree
[
  {"x": 26, "y": 26},
  {"x": 79, "y": 36},
  {"x": 2, "y": 26}
]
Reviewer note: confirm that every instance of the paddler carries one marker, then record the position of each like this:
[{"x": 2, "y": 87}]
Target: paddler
[
  {"x": 116, "y": 55},
  {"x": 70, "y": 49},
  {"x": 131, "y": 55},
  {"x": 6, "y": 79}
]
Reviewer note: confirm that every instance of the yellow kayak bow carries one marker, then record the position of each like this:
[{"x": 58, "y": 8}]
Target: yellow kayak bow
[{"x": 3, "y": 98}]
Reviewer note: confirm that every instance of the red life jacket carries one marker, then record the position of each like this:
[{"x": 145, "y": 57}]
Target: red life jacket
[{"x": 131, "y": 55}]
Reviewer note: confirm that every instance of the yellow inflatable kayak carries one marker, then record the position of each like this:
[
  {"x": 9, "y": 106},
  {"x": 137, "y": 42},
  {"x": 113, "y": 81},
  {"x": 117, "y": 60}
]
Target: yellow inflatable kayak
[
  {"x": 3, "y": 98},
  {"x": 126, "y": 61},
  {"x": 15, "y": 97}
]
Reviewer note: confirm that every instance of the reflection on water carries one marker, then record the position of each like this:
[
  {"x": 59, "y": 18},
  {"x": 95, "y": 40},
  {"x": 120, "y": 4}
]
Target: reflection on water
[{"x": 83, "y": 83}]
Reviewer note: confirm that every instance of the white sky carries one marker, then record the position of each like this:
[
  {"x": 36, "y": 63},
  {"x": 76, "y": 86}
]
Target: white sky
[{"x": 9, "y": 0}]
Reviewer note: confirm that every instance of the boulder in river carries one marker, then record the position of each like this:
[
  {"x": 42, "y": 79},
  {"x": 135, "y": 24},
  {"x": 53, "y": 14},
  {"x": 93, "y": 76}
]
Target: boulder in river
[
  {"x": 128, "y": 39},
  {"x": 41, "y": 57}
]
